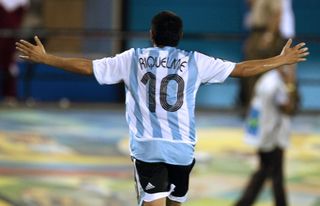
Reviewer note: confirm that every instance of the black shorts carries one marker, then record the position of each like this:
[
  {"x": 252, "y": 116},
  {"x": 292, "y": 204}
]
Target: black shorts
[{"x": 158, "y": 180}]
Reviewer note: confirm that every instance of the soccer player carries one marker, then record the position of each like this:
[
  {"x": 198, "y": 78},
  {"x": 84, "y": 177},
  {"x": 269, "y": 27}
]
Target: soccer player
[{"x": 161, "y": 85}]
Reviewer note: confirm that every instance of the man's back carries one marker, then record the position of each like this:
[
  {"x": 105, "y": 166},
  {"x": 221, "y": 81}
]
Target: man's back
[{"x": 161, "y": 86}]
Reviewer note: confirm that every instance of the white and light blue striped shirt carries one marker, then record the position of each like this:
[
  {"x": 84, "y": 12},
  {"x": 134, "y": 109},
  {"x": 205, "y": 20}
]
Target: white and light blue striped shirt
[{"x": 161, "y": 86}]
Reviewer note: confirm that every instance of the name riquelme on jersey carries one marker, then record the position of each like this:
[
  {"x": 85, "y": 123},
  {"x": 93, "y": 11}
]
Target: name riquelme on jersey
[{"x": 151, "y": 62}]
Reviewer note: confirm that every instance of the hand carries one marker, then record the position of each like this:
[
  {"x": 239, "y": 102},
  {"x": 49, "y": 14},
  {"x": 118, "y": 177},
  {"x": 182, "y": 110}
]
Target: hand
[
  {"x": 294, "y": 54},
  {"x": 30, "y": 51}
]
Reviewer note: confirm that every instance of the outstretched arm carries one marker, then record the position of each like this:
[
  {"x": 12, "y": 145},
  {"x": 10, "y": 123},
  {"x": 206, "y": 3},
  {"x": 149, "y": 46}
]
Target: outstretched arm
[
  {"x": 37, "y": 53},
  {"x": 289, "y": 55}
]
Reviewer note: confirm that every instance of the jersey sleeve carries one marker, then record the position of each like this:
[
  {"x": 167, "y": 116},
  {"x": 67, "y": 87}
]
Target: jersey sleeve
[
  {"x": 212, "y": 70},
  {"x": 112, "y": 70}
]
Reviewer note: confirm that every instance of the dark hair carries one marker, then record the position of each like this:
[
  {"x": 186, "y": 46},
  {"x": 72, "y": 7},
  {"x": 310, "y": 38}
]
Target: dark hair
[{"x": 166, "y": 29}]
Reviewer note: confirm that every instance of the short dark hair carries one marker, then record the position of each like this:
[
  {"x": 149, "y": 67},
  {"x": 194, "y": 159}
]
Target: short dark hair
[{"x": 166, "y": 29}]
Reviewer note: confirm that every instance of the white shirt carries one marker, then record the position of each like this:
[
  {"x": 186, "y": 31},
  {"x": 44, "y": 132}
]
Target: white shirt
[
  {"x": 161, "y": 86},
  {"x": 266, "y": 126}
]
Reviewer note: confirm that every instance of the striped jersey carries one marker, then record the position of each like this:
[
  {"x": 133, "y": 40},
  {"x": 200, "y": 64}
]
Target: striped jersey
[{"x": 161, "y": 86}]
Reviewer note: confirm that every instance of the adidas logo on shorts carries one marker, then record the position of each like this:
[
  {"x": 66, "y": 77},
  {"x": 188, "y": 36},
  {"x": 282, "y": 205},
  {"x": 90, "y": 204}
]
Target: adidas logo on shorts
[{"x": 149, "y": 186}]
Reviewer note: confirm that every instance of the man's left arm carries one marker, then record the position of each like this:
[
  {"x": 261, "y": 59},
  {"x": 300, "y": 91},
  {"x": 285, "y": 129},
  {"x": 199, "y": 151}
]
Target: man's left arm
[{"x": 289, "y": 55}]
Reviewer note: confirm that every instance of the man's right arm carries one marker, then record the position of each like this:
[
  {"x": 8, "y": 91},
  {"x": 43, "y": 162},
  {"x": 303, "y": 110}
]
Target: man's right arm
[{"x": 37, "y": 53}]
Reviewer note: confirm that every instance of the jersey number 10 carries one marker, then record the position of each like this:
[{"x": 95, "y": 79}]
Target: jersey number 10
[{"x": 151, "y": 79}]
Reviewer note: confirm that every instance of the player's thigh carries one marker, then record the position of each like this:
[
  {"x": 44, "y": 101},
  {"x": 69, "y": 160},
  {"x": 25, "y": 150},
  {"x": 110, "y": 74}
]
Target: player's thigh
[
  {"x": 179, "y": 176},
  {"x": 172, "y": 203},
  {"x": 158, "y": 202}
]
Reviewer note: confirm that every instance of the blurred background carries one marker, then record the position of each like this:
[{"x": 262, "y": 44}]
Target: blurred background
[{"x": 63, "y": 137}]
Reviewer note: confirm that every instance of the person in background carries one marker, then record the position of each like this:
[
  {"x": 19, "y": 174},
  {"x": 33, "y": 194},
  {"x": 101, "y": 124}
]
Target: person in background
[
  {"x": 270, "y": 23},
  {"x": 268, "y": 128},
  {"x": 161, "y": 86},
  {"x": 11, "y": 17}
]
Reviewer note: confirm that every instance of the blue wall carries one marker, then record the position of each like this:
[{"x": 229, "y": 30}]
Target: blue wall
[
  {"x": 198, "y": 16},
  {"x": 222, "y": 17},
  {"x": 226, "y": 17},
  {"x": 307, "y": 17},
  {"x": 51, "y": 84}
]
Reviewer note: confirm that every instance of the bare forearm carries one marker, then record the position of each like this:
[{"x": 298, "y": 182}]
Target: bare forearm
[
  {"x": 77, "y": 65},
  {"x": 255, "y": 67}
]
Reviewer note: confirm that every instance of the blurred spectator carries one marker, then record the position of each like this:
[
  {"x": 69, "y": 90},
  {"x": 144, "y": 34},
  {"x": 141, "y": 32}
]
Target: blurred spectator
[
  {"x": 11, "y": 16},
  {"x": 270, "y": 24},
  {"x": 268, "y": 128}
]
